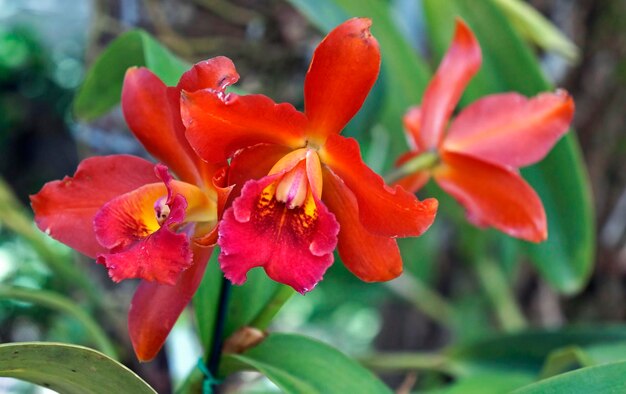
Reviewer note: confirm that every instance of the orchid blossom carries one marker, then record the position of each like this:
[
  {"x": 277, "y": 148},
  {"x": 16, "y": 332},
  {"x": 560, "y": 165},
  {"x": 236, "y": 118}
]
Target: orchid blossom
[
  {"x": 477, "y": 161},
  {"x": 133, "y": 217},
  {"x": 303, "y": 189}
]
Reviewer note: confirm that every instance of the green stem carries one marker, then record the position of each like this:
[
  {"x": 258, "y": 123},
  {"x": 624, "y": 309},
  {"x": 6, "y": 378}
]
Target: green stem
[
  {"x": 498, "y": 290},
  {"x": 13, "y": 215},
  {"x": 406, "y": 361},
  {"x": 54, "y": 301},
  {"x": 422, "y": 162},
  {"x": 425, "y": 299},
  {"x": 264, "y": 318}
]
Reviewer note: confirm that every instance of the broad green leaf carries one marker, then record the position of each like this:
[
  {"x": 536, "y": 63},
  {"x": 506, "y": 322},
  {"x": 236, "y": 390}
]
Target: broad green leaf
[
  {"x": 607, "y": 378},
  {"x": 526, "y": 352},
  {"x": 297, "y": 364},
  {"x": 52, "y": 300},
  {"x": 566, "y": 258},
  {"x": 102, "y": 87},
  {"x": 499, "y": 383},
  {"x": 68, "y": 369}
]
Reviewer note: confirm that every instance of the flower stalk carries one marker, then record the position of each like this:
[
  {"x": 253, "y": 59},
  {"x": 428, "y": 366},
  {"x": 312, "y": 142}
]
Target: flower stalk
[{"x": 422, "y": 162}]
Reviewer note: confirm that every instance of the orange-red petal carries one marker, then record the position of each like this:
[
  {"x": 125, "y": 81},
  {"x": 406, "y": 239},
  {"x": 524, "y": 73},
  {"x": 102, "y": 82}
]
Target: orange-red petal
[
  {"x": 152, "y": 112},
  {"x": 220, "y": 124},
  {"x": 139, "y": 246},
  {"x": 370, "y": 257},
  {"x": 65, "y": 209},
  {"x": 156, "y": 307},
  {"x": 510, "y": 129},
  {"x": 412, "y": 121},
  {"x": 458, "y": 66},
  {"x": 386, "y": 211},
  {"x": 294, "y": 246},
  {"x": 493, "y": 196},
  {"x": 344, "y": 67},
  {"x": 216, "y": 73}
]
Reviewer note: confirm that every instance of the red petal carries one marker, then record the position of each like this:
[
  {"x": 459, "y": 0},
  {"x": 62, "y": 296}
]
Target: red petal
[
  {"x": 137, "y": 250},
  {"x": 218, "y": 125},
  {"x": 370, "y": 257},
  {"x": 391, "y": 212},
  {"x": 413, "y": 182},
  {"x": 153, "y": 114},
  {"x": 216, "y": 73},
  {"x": 493, "y": 196},
  {"x": 412, "y": 124},
  {"x": 156, "y": 307},
  {"x": 510, "y": 129},
  {"x": 65, "y": 209},
  {"x": 294, "y": 246},
  {"x": 343, "y": 70},
  {"x": 459, "y": 65}
]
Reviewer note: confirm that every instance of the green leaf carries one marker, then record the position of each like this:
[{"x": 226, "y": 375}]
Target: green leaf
[
  {"x": 526, "y": 352},
  {"x": 57, "y": 302},
  {"x": 607, "y": 378},
  {"x": 68, "y": 369},
  {"x": 565, "y": 259},
  {"x": 537, "y": 29},
  {"x": 102, "y": 87},
  {"x": 297, "y": 364}
]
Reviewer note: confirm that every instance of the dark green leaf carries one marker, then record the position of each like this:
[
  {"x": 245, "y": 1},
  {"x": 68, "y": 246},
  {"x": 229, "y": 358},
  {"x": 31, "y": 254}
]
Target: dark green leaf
[
  {"x": 526, "y": 352},
  {"x": 297, "y": 364},
  {"x": 68, "y": 369},
  {"x": 102, "y": 87},
  {"x": 607, "y": 378},
  {"x": 499, "y": 383}
]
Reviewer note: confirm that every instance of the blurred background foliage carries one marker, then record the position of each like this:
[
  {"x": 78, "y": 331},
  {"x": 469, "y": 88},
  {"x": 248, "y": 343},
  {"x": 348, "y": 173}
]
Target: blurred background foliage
[{"x": 449, "y": 299}]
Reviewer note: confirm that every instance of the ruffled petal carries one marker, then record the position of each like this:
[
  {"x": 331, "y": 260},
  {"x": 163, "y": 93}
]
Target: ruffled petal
[
  {"x": 139, "y": 228},
  {"x": 216, "y": 73},
  {"x": 344, "y": 68},
  {"x": 415, "y": 181},
  {"x": 65, "y": 209},
  {"x": 294, "y": 246},
  {"x": 493, "y": 196},
  {"x": 386, "y": 211},
  {"x": 458, "y": 66},
  {"x": 220, "y": 124},
  {"x": 152, "y": 112},
  {"x": 510, "y": 129},
  {"x": 153, "y": 256},
  {"x": 372, "y": 258},
  {"x": 156, "y": 307}
]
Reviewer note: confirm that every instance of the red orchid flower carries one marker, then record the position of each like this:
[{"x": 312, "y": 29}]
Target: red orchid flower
[
  {"x": 477, "y": 161},
  {"x": 305, "y": 188},
  {"x": 133, "y": 217}
]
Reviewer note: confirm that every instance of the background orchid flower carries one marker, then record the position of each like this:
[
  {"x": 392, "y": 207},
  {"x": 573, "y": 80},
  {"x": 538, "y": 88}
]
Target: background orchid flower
[
  {"x": 133, "y": 217},
  {"x": 477, "y": 160},
  {"x": 304, "y": 189}
]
